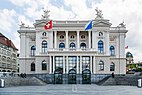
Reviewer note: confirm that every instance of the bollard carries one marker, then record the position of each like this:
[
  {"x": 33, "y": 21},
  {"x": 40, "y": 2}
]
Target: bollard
[
  {"x": 139, "y": 83},
  {"x": 2, "y": 84}
]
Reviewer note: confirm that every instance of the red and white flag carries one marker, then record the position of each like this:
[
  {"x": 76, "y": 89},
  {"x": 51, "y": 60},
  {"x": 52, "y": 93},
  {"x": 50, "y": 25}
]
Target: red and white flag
[
  {"x": 48, "y": 25},
  {"x": 126, "y": 47}
]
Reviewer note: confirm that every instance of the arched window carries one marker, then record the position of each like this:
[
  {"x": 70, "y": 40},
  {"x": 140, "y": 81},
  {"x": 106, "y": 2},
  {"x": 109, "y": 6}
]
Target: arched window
[
  {"x": 112, "y": 50},
  {"x": 32, "y": 66},
  {"x": 44, "y": 34},
  {"x": 33, "y": 48},
  {"x": 112, "y": 66},
  {"x": 61, "y": 45},
  {"x": 101, "y": 65},
  {"x": 100, "y": 34},
  {"x": 44, "y": 46},
  {"x": 72, "y": 45},
  {"x": 100, "y": 47},
  {"x": 61, "y": 37},
  {"x": 82, "y": 45},
  {"x": 44, "y": 65},
  {"x": 82, "y": 36},
  {"x": 72, "y": 37}
]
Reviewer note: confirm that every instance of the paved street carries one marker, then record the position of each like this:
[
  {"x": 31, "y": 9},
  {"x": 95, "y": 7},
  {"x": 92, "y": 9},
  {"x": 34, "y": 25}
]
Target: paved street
[{"x": 71, "y": 90}]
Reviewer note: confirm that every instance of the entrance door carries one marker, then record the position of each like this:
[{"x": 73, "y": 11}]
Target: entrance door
[
  {"x": 72, "y": 76},
  {"x": 58, "y": 77},
  {"x": 86, "y": 76}
]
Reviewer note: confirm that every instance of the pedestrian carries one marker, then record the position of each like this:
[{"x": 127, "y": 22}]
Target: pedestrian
[{"x": 112, "y": 75}]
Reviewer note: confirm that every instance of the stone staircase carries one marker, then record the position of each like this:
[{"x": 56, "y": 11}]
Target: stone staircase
[
  {"x": 109, "y": 81},
  {"x": 18, "y": 81},
  {"x": 131, "y": 80}
]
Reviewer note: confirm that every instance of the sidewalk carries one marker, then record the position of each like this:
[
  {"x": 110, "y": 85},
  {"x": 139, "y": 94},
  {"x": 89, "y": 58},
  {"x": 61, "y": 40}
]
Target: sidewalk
[{"x": 71, "y": 90}]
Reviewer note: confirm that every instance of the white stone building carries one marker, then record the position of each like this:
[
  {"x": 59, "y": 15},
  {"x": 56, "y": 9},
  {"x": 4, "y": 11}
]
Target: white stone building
[{"x": 68, "y": 46}]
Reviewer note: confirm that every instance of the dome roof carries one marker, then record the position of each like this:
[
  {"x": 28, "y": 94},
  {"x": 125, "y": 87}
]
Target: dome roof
[{"x": 128, "y": 54}]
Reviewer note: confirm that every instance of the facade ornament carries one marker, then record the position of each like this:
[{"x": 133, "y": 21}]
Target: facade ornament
[
  {"x": 99, "y": 14},
  {"x": 22, "y": 24},
  {"x": 46, "y": 14},
  {"x": 122, "y": 24}
]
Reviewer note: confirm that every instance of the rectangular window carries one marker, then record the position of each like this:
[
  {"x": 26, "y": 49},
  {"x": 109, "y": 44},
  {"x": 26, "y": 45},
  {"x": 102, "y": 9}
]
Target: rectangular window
[
  {"x": 59, "y": 63},
  {"x": 72, "y": 61},
  {"x": 85, "y": 62}
]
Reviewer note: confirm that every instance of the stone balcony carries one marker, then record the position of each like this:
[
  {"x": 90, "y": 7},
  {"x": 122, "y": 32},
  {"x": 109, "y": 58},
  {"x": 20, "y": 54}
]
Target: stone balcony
[
  {"x": 84, "y": 51},
  {"x": 72, "y": 50}
]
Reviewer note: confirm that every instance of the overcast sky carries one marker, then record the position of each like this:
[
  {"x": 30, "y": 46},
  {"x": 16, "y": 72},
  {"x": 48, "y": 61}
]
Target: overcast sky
[{"x": 12, "y": 12}]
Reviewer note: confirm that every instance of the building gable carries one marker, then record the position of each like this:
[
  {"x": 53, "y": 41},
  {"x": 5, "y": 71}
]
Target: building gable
[{"x": 101, "y": 23}]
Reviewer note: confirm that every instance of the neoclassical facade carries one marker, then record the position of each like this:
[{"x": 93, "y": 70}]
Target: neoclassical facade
[{"x": 69, "y": 46}]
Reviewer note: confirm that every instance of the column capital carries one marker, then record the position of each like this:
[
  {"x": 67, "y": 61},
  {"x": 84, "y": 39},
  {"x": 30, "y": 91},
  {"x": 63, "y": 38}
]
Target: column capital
[
  {"x": 77, "y": 31},
  {"x": 89, "y": 31}
]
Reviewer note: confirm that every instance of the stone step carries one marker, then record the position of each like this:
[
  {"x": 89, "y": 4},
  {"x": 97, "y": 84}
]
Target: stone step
[
  {"x": 18, "y": 81},
  {"x": 109, "y": 81}
]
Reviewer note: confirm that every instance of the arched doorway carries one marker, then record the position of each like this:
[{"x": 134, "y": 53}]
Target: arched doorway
[
  {"x": 58, "y": 79},
  {"x": 72, "y": 76},
  {"x": 86, "y": 76}
]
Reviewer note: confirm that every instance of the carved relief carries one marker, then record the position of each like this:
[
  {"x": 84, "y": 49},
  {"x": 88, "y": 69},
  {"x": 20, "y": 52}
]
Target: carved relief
[{"x": 112, "y": 38}]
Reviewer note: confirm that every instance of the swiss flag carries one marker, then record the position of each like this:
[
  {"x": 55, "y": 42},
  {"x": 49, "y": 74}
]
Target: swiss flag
[{"x": 48, "y": 25}]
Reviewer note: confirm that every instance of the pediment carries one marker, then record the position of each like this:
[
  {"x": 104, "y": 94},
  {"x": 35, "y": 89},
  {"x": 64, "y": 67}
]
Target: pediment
[
  {"x": 39, "y": 23},
  {"x": 101, "y": 23}
]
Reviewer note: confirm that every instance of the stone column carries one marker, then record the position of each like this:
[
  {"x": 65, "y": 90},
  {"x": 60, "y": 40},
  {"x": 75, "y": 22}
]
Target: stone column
[
  {"x": 67, "y": 68},
  {"x": 94, "y": 65},
  {"x": 64, "y": 65},
  {"x": 80, "y": 64},
  {"x": 77, "y": 65},
  {"x": 53, "y": 64},
  {"x": 89, "y": 39},
  {"x": 107, "y": 44},
  {"x": 67, "y": 44},
  {"x": 122, "y": 45},
  {"x": 55, "y": 39},
  {"x": 91, "y": 64},
  {"x": 78, "y": 39},
  {"x": 93, "y": 40},
  {"x": 27, "y": 46},
  {"x": 50, "y": 72}
]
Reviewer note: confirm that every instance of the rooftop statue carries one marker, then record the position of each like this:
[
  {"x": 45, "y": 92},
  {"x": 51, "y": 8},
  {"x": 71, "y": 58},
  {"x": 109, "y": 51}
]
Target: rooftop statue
[
  {"x": 99, "y": 13},
  {"x": 122, "y": 24},
  {"x": 46, "y": 14},
  {"x": 22, "y": 24}
]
